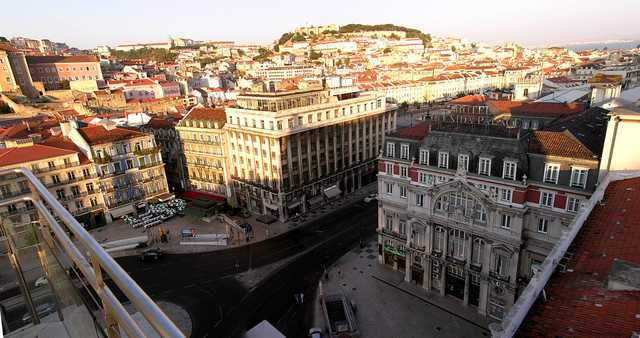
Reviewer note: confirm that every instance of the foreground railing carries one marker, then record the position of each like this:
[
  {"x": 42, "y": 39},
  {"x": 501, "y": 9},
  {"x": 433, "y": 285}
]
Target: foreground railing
[{"x": 117, "y": 318}]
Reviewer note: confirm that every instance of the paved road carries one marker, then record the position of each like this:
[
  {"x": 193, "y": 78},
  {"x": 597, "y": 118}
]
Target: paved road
[{"x": 203, "y": 283}]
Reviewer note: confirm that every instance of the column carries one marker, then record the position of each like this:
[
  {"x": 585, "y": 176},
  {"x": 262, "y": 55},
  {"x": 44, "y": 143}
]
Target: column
[
  {"x": 407, "y": 267},
  {"x": 318, "y": 153},
  {"x": 350, "y": 140},
  {"x": 426, "y": 278},
  {"x": 443, "y": 272},
  {"x": 466, "y": 288}
]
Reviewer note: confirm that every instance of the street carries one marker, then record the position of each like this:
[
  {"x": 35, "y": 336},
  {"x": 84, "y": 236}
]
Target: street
[{"x": 203, "y": 283}]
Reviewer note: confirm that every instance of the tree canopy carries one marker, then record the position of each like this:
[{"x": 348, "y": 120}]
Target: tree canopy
[
  {"x": 159, "y": 55},
  {"x": 263, "y": 54},
  {"x": 411, "y": 32}
]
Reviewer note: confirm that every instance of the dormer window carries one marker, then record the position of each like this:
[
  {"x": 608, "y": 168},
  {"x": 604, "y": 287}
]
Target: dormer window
[
  {"x": 424, "y": 157},
  {"x": 443, "y": 159},
  {"x": 484, "y": 166},
  {"x": 404, "y": 151},
  {"x": 463, "y": 162},
  {"x": 509, "y": 170},
  {"x": 391, "y": 149}
]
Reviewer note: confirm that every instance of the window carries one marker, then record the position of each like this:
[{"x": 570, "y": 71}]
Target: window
[
  {"x": 389, "y": 188},
  {"x": 543, "y": 225},
  {"x": 389, "y": 168},
  {"x": 55, "y": 179},
  {"x": 501, "y": 264},
  {"x": 573, "y": 204},
  {"x": 456, "y": 244},
  {"x": 546, "y": 199},
  {"x": 422, "y": 177},
  {"x": 402, "y": 228},
  {"x": 509, "y": 170},
  {"x": 506, "y": 222},
  {"x": 403, "y": 191},
  {"x": 505, "y": 195},
  {"x": 391, "y": 149},
  {"x": 404, "y": 151},
  {"x": 403, "y": 171},
  {"x": 438, "y": 240},
  {"x": 463, "y": 162},
  {"x": 419, "y": 200},
  {"x": 424, "y": 157},
  {"x": 484, "y": 166},
  {"x": 388, "y": 223},
  {"x": 551, "y": 172},
  {"x": 579, "y": 177},
  {"x": 476, "y": 252},
  {"x": 443, "y": 159}
]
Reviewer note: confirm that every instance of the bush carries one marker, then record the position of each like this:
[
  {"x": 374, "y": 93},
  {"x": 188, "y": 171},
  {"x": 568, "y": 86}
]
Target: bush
[{"x": 4, "y": 108}]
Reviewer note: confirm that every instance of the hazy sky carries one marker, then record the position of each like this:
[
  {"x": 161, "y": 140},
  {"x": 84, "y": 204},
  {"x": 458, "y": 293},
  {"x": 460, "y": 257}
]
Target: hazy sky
[{"x": 86, "y": 24}]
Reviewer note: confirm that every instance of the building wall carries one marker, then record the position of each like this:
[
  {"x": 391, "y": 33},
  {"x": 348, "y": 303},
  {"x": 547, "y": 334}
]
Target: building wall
[
  {"x": 412, "y": 218},
  {"x": 620, "y": 151},
  {"x": 7, "y": 81},
  {"x": 51, "y": 74}
]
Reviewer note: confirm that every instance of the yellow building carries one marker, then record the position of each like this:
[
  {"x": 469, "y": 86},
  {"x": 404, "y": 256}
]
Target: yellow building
[
  {"x": 63, "y": 169},
  {"x": 127, "y": 162},
  {"x": 203, "y": 146}
]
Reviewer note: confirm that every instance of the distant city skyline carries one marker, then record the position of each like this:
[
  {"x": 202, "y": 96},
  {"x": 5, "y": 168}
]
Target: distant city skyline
[{"x": 539, "y": 23}]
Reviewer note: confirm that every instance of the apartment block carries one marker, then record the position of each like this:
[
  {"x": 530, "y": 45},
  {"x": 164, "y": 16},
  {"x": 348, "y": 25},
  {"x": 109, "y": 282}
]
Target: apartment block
[
  {"x": 204, "y": 155},
  {"x": 128, "y": 164},
  {"x": 52, "y": 70}
]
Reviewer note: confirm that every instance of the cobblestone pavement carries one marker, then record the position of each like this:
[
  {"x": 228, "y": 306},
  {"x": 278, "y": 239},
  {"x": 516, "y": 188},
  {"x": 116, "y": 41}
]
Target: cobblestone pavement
[
  {"x": 118, "y": 229},
  {"x": 389, "y": 307}
]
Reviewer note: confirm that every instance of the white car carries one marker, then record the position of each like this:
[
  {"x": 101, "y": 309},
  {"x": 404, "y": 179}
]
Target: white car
[
  {"x": 370, "y": 198},
  {"x": 42, "y": 281},
  {"x": 315, "y": 333}
]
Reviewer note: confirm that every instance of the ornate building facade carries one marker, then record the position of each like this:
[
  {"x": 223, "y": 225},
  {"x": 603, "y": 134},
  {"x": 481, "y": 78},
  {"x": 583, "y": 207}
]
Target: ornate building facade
[{"x": 471, "y": 211}]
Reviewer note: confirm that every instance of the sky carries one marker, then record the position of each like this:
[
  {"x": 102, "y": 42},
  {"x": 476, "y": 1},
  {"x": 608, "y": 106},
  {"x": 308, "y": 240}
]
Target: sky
[{"x": 86, "y": 24}]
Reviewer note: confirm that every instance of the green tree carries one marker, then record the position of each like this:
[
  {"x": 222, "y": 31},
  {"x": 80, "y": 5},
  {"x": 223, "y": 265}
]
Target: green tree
[
  {"x": 3, "y": 39},
  {"x": 263, "y": 54},
  {"x": 404, "y": 106},
  {"x": 394, "y": 36},
  {"x": 298, "y": 38},
  {"x": 313, "y": 55},
  {"x": 386, "y": 50},
  {"x": 147, "y": 54},
  {"x": 4, "y": 108}
]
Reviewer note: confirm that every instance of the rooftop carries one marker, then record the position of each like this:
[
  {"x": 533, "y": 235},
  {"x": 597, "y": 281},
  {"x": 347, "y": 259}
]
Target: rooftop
[
  {"x": 470, "y": 100},
  {"x": 99, "y": 134},
  {"x": 535, "y": 109},
  {"x": 581, "y": 301},
  {"x": 559, "y": 143},
  {"x": 61, "y": 59},
  {"x": 36, "y": 152},
  {"x": 416, "y": 132},
  {"x": 206, "y": 114}
]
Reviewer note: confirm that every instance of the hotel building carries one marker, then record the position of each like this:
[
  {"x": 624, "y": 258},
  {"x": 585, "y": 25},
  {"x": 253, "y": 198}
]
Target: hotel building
[{"x": 288, "y": 151}]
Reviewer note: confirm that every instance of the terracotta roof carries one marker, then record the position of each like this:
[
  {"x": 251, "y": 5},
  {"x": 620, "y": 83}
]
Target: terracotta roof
[
  {"x": 61, "y": 59},
  {"x": 157, "y": 123},
  {"x": 557, "y": 143},
  {"x": 417, "y": 132},
  {"x": 206, "y": 114},
  {"x": 535, "y": 109},
  {"x": 63, "y": 143},
  {"x": 99, "y": 134},
  {"x": 36, "y": 152},
  {"x": 470, "y": 100},
  {"x": 579, "y": 302}
]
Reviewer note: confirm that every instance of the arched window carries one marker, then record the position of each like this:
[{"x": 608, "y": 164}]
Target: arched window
[{"x": 471, "y": 208}]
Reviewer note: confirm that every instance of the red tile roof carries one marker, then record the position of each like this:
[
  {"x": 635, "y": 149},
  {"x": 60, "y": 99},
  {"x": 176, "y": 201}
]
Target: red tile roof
[
  {"x": 579, "y": 303},
  {"x": 470, "y": 100},
  {"x": 99, "y": 134},
  {"x": 36, "y": 152},
  {"x": 559, "y": 143},
  {"x": 417, "y": 132},
  {"x": 62, "y": 143},
  {"x": 206, "y": 114},
  {"x": 535, "y": 109}
]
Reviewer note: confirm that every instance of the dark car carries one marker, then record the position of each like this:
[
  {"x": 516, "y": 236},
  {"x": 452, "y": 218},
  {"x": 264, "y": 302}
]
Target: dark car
[{"x": 151, "y": 255}]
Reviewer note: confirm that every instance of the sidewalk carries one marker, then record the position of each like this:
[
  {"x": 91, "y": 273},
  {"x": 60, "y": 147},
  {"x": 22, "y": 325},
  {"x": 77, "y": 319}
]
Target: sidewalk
[
  {"x": 389, "y": 307},
  {"x": 119, "y": 230}
]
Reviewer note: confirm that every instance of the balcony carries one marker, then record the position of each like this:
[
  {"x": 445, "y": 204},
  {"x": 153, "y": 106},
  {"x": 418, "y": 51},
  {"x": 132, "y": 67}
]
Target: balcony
[
  {"x": 394, "y": 234},
  {"x": 55, "y": 167},
  {"x": 151, "y": 164},
  {"x": 146, "y": 151},
  {"x": 54, "y": 285},
  {"x": 11, "y": 194}
]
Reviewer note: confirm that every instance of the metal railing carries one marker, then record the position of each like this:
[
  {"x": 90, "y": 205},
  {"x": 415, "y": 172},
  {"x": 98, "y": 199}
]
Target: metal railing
[{"x": 116, "y": 316}]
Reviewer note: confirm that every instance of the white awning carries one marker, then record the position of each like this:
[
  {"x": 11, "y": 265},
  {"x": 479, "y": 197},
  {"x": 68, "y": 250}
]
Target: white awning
[
  {"x": 121, "y": 211},
  {"x": 332, "y": 192}
]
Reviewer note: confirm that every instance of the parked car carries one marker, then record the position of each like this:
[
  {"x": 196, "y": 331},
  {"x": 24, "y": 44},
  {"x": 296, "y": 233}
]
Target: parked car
[
  {"x": 42, "y": 310},
  {"x": 42, "y": 281},
  {"x": 370, "y": 198},
  {"x": 151, "y": 255},
  {"x": 315, "y": 332}
]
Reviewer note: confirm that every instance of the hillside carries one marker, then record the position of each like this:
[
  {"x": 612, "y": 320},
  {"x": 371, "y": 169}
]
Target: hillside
[{"x": 354, "y": 28}]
